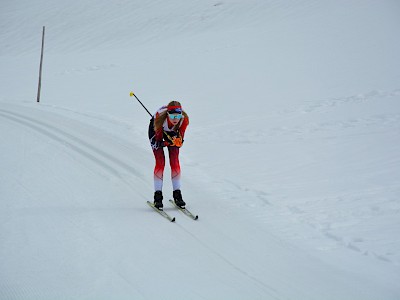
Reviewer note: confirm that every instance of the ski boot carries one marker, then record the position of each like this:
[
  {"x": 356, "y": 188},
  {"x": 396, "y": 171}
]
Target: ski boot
[
  {"x": 178, "y": 199},
  {"x": 158, "y": 197}
]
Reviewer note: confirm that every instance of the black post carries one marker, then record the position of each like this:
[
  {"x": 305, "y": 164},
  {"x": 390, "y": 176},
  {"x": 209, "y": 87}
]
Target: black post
[{"x": 40, "y": 68}]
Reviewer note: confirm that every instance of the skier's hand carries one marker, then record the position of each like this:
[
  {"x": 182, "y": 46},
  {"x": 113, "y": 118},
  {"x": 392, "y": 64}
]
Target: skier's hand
[
  {"x": 159, "y": 144},
  {"x": 177, "y": 142}
]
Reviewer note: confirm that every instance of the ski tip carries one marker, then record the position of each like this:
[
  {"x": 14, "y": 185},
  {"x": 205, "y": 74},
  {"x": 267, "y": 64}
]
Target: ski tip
[
  {"x": 173, "y": 219},
  {"x": 196, "y": 217}
]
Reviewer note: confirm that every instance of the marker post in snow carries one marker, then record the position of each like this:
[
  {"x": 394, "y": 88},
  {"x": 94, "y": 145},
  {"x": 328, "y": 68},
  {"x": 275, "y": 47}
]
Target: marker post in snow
[{"x": 40, "y": 68}]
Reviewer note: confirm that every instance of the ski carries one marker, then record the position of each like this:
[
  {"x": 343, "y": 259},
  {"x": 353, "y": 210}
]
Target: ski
[
  {"x": 161, "y": 212},
  {"x": 185, "y": 211}
]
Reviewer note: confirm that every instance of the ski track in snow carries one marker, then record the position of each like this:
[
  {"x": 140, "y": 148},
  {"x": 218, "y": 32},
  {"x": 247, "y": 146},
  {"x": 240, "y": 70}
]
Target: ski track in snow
[{"x": 90, "y": 150}]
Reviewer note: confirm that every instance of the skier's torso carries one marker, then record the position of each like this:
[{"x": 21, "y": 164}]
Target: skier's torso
[
  {"x": 180, "y": 128},
  {"x": 167, "y": 130}
]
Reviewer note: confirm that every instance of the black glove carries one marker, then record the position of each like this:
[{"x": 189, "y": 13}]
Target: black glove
[{"x": 158, "y": 144}]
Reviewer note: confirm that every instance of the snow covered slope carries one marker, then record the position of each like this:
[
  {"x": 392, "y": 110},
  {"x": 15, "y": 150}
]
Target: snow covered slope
[{"x": 291, "y": 158}]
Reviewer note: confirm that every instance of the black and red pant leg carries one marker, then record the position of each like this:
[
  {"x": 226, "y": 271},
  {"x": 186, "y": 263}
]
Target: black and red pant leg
[{"x": 160, "y": 166}]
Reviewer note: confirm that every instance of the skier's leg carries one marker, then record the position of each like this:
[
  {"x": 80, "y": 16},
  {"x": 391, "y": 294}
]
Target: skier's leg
[
  {"x": 159, "y": 169},
  {"x": 175, "y": 167},
  {"x": 176, "y": 175}
]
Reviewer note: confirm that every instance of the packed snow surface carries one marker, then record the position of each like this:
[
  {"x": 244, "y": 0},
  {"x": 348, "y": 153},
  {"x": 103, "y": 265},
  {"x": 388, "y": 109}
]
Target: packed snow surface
[{"x": 291, "y": 158}]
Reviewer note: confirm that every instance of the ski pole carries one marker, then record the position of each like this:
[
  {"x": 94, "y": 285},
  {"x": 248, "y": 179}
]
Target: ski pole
[{"x": 132, "y": 94}]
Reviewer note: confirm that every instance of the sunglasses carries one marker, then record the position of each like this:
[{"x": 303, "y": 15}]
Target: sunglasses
[{"x": 175, "y": 116}]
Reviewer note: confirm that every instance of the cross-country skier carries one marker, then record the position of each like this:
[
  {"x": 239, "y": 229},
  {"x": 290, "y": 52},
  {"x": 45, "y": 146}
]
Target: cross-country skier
[{"x": 167, "y": 129}]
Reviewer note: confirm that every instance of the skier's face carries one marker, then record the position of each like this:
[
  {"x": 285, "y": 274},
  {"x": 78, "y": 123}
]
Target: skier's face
[{"x": 174, "y": 118}]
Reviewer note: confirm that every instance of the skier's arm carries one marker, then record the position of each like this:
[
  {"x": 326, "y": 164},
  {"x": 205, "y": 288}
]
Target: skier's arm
[{"x": 183, "y": 127}]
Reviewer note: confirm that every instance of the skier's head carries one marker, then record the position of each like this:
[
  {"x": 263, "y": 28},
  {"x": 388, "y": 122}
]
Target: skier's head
[
  {"x": 174, "y": 107},
  {"x": 174, "y": 112}
]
